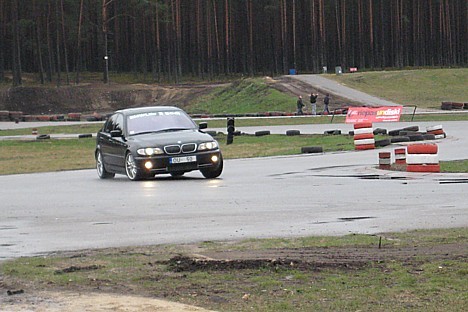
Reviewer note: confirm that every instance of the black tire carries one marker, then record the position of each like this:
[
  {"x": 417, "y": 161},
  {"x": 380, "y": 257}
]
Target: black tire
[
  {"x": 132, "y": 171},
  {"x": 412, "y": 128},
  {"x": 383, "y": 142},
  {"x": 311, "y": 149},
  {"x": 416, "y": 137},
  {"x": 332, "y": 132},
  {"x": 293, "y": 132},
  {"x": 399, "y": 139},
  {"x": 394, "y": 132},
  {"x": 379, "y": 131},
  {"x": 429, "y": 136},
  {"x": 211, "y": 132},
  {"x": 83, "y": 136},
  {"x": 43, "y": 137},
  {"x": 212, "y": 173},
  {"x": 262, "y": 133},
  {"x": 101, "y": 168}
]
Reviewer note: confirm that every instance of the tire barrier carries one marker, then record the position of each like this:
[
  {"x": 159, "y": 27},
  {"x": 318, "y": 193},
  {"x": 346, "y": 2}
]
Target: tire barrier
[
  {"x": 34, "y": 131},
  {"x": 262, "y": 133},
  {"x": 293, "y": 132},
  {"x": 382, "y": 143},
  {"x": 43, "y": 137},
  {"x": 452, "y": 105},
  {"x": 85, "y": 135},
  {"x": 437, "y": 131},
  {"x": 422, "y": 158},
  {"x": 400, "y": 156},
  {"x": 363, "y": 136},
  {"x": 399, "y": 139},
  {"x": 74, "y": 116},
  {"x": 446, "y": 106},
  {"x": 332, "y": 132},
  {"x": 380, "y": 131},
  {"x": 385, "y": 160},
  {"x": 311, "y": 149},
  {"x": 415, "y": 137},
  {"x": 400, "y": 132}
]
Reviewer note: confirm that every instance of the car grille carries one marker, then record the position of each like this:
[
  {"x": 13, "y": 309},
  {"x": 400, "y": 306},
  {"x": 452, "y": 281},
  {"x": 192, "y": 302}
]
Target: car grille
[
  {"x": 177, "y": 149},
  {"x": 189, "y": 148}
]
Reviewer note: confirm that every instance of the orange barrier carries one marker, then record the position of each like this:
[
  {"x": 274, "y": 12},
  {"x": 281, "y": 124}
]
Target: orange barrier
[
  {"x": 400, "y": 156},
  {"x": 422, "y": 158},
  {"x": 363, "y": 136},
  {"x": 385, "y": 160}
]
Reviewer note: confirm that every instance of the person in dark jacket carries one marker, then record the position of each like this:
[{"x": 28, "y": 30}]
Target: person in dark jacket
[
  {"x": 326, "y": 101},
  {"x": 313, "y": 103},
  {"x": 300, "y": 105}
]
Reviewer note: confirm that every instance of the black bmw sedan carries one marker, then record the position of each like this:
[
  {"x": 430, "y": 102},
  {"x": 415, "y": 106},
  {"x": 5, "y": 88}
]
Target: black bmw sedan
[{"x": 143, "y": 142}]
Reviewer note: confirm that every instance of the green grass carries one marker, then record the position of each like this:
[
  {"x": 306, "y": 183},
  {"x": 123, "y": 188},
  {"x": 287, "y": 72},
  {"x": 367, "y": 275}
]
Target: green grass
[
  {"x": 460, "y": 166},
  {"x": 409, "y": 283},
  {"x": 249, "y": 95},
  {"x": 426, "y": 88},
  {"x": 27, "y": 156}
]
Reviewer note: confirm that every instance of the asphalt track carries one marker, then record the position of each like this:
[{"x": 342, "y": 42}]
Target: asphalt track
[{"x": 324, "y": 194}]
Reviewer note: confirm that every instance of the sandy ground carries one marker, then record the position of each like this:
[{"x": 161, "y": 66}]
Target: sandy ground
[{"x": 72, "y": 302}]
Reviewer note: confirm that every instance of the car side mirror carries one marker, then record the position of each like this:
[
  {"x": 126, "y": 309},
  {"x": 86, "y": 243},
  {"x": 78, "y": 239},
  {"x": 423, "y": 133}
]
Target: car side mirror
[
  {"x": 116, "y": 133},
  {"x": 202, "y": 125}
]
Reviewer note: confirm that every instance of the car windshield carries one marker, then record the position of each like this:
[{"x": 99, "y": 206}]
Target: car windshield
[{"x": 149, "y": 122}]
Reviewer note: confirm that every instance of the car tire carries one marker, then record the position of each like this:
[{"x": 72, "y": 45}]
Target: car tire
[
  {"x": 293, "y": 132},
  {"x": 212, "y": 173},
  {"x": 262, "y": 133},
  {"x": 311, "y": 149},
  {"x": 132, "y": 171},
  {"x": 101, "y": 169}
]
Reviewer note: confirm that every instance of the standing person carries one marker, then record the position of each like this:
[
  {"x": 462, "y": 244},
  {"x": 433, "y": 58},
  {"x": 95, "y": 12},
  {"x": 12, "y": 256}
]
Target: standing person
[
  {"x": 313, "y": 103},
  {"x": 326, "y": 101},
  {"x": 300, "y": 105}
]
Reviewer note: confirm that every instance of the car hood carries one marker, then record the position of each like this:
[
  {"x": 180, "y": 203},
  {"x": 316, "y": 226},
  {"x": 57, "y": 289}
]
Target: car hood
[{"x": 169, "y": 138}]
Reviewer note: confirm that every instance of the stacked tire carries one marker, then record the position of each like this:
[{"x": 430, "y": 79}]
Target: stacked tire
[
  {"x": 437, "y": 131},
  {"x": 363, "y": 136},
  {"x": 422, "y": 158}
]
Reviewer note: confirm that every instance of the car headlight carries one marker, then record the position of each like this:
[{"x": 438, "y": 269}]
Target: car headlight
[
  {"x": 208, "y": 146},
  {"x": 149, "y": 151}
]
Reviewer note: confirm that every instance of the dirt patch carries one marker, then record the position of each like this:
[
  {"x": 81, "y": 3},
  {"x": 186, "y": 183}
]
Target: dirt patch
[
  {"x": 104, "y": 98},
  {"x": 97, "y": 97},
  {"x": 124, "y": 296}
]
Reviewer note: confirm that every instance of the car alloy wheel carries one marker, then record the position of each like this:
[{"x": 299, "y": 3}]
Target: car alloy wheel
[
  {"x": 101, "y": 170},
  {"x": 131, "y": 167}
]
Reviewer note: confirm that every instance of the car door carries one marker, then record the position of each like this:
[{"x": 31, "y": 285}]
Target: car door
[{"x": 113, "y": 147}]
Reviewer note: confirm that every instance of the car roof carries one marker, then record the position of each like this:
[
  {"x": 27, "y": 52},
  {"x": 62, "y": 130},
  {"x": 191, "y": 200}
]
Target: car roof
[{"x": 136, "y": 110}]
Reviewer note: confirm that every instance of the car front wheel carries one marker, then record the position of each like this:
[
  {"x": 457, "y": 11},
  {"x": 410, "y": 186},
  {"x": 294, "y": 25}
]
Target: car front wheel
[
  {"x": 131, "y": 169},
  {"x": 101, "y": 169},
  {"x": 211, "y": 173}
]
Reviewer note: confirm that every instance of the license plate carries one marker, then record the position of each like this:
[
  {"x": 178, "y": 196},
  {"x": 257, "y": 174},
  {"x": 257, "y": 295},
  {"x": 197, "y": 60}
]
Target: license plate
[{"x": 181, "y": 160}]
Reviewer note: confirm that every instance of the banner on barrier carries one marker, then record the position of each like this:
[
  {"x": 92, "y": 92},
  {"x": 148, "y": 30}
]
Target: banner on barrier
[{"x": 374, "y": 114}]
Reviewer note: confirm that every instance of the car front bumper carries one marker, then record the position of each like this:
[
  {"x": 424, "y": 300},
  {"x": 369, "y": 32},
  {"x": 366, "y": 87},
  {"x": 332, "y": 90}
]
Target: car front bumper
[{"x": 162, "y": 163}]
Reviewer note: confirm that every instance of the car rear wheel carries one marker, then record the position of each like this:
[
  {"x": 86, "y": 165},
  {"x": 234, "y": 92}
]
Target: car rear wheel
[
  {"x": 101, "y": 169},
  {"x": 131, "y": 169},
  {"x": 214, "y": 172}
]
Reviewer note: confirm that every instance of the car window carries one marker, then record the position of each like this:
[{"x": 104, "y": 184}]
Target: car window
[
  {"x": 158, "y": 121},
  {"x": 110, "y": 124},
  {"x": 115, "y": 122}
]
